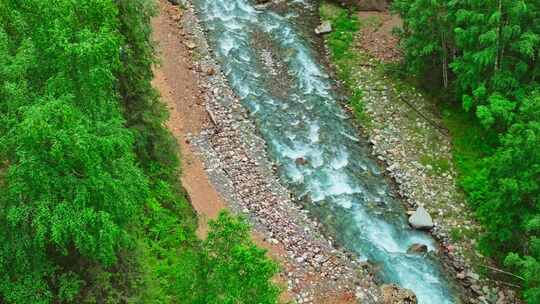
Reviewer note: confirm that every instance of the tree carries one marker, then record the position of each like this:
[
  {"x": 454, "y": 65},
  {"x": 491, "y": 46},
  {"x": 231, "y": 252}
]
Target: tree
[
  {"x": 230, "y": 268},
  {"x": 427, "y": 36},
  {"x": 92, "y": 210},
  {"x": 510, "y": 209},
  {"x": 497, "y": 42},
  {"x": 71, "y": 185}
]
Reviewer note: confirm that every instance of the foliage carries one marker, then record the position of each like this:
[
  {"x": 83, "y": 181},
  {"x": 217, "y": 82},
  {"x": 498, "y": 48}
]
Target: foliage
[
  {"x": 487, "y": 47},
  {"x": 340, "y": 42},
  {"x": 71, "y": 188},
  {"x": 489, "y": 50},
  {"x": 427, "y": 36},
  {"x": 509, "y": 204},
  {"x": 529, "y": 267},
  {"x": 512, "y": 211},
  {"x": 144, "y": 112},
  {"x": 92, "y": 210},
  {"x": 230, "y": 268}
]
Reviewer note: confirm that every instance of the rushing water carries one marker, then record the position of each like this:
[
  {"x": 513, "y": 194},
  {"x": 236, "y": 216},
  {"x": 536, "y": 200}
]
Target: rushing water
[{"x": 301, "y": 119}]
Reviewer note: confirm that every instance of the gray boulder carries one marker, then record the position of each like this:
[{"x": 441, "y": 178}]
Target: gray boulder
[
  {"x": 324, "y": 28},
  {"x": 420, "y": 219}
]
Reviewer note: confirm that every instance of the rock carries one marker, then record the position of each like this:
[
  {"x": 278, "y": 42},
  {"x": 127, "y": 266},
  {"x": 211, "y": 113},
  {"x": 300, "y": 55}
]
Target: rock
[
  {"x": 301, "y": 161},
  {"x": 208, "y": 70},
  {"x": 476, "y": 288},
  {"x": 190, "y": 44},
  {"x": 473, "y": 276},
  {"x": 393, "y": 294},
  {"x": 420, "y": 219},
  {"x": 417, "y": 248},
  {"x": 324, "y": 28}
]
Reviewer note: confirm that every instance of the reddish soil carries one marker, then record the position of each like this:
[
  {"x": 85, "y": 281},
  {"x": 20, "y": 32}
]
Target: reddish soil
[
  {"x": 177, "y": 83},
  {"x": 376, "y": 36}
]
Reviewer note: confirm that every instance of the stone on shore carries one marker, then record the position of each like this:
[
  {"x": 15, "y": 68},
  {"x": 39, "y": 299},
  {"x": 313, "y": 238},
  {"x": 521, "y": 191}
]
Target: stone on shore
[
  {"x": 393, "y": 294},
  {"x": 417, "y": 249},
  {"x": 324, "y": 28},
  {"x": 420, "y": 219},
  {"x": 190, "y": 44}
]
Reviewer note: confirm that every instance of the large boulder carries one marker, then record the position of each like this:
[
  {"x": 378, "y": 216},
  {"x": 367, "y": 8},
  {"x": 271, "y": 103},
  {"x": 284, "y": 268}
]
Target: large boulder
[
  {"x": 420, "y": 219},
  {"x": 393, "y": 294}
]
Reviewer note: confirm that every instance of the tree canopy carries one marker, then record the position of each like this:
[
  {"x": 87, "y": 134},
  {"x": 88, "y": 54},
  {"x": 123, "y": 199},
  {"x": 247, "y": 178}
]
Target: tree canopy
[
  {"x": 487, "y": 55},
  {"x": 92, "y": 210}
]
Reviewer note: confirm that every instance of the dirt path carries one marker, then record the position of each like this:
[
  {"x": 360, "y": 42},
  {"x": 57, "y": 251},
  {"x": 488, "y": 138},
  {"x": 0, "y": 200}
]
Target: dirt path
[{"x": 177, "y": 83}]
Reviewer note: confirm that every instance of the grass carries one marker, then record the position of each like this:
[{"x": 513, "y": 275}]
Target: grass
[
  {"x": 341, "y": 45},
  {"x": 438, "y": 165},
  {"x": 374, "y": 22},
  {"x": 470, "y": 141},
  {"x": 329, "y": 11}
]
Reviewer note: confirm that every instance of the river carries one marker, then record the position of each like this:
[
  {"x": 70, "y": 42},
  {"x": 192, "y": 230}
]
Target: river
[{"x": 321, "y": 159}]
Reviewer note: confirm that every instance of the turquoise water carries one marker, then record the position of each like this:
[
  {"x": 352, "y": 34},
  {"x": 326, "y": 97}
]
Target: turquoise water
[{"x": 296, "y": 110}]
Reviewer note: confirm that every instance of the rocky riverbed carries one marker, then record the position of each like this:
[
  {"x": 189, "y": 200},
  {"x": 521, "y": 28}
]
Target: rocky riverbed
[
  {"x": 417, "y": 154},
  {"x": 412, "y": 148},
  {"x": 236, "y": 161},
  {"x": 408, "y": 138}
]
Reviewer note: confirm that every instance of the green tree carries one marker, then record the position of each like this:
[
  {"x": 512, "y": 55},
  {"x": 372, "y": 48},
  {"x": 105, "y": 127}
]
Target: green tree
[
  {"x": 71, "y": 185},
  {"x": 510, "y": 205},
  {"x": 92, "y": 210},
  {"x": 230, "y": 268},
  {"x": 497, "y": 42},
  {"x": 427, "y": 36}
]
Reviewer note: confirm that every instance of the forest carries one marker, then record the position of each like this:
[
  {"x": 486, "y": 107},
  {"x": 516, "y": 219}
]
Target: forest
[
  {"x": 484, "y": 56},
  {"x": 91, "y": 208}
]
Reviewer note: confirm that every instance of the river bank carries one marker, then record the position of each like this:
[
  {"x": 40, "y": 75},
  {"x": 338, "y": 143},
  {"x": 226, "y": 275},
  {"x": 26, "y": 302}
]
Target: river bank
[
  {"x": 406, "y": 131},
  {"x": 327, "y": 167},
  {"x": 216, "y": 135}
]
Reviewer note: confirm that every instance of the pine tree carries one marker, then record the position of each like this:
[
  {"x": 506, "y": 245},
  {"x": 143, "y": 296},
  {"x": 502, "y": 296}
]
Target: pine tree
[{"x": 427, "y": 36}]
